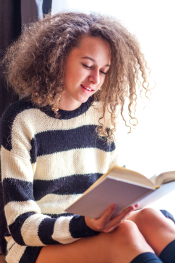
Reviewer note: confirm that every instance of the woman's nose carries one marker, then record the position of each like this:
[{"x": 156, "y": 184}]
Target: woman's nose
[{"x": 94, "y": 78}]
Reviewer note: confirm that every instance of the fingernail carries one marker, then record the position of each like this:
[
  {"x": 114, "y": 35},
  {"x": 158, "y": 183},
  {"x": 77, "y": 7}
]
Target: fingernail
[
  {"x": 111, "y": 230},
  {"x": 114, "y": 206},
  {"x": 130, "y": 209}
]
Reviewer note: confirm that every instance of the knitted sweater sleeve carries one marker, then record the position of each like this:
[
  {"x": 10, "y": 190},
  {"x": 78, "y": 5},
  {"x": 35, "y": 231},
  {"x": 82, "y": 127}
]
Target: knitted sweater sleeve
[{"x": 26, "y": 223}]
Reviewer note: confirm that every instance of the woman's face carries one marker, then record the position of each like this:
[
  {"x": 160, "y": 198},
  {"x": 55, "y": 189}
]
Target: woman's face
[{"x": 85, "y": 71}]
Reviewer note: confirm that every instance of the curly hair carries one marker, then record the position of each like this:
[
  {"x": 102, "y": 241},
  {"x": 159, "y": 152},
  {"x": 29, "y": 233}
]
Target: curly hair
[{"x": 34, "y": 64}]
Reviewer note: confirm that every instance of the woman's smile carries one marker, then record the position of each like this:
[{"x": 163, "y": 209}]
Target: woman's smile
[{"x": 87, "y": 88}]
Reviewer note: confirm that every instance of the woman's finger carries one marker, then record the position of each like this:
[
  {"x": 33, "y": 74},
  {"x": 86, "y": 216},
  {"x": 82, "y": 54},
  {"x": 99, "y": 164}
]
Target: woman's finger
[
  {"x": 116, "y": 221},
  {"x": 104, "y": 219},
  {"x": 106, "y": 222}
]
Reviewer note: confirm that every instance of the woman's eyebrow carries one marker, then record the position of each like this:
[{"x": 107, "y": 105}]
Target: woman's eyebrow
[{"x": 95, "y": 61}]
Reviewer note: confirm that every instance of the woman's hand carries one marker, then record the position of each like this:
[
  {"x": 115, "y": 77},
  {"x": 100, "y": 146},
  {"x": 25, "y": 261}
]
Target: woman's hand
[{"x": 106, "y": 223}]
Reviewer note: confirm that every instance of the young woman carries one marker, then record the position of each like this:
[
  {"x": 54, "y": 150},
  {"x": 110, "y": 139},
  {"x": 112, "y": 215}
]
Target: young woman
[{"x": 76, "y": 72}]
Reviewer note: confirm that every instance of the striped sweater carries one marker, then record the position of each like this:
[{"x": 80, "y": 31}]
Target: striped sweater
[{"x": 47, "y": 163}]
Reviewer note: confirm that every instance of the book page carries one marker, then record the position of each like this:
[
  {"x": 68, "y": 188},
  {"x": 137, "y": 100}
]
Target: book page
[
  {"x": 164, "y": 178},
  {"x": 127, "y": 175}
]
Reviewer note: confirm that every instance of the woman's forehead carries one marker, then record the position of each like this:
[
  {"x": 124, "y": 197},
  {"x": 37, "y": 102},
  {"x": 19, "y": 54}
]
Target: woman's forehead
[{"x": 94, "y": 48}]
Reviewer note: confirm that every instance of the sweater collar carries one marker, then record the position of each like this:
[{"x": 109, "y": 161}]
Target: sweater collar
[{"x": 63, "y": 114}]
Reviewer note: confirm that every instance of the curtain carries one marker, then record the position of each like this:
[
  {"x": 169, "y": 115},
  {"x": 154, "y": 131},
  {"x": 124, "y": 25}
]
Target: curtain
[
  {"x": 13, "y": 15},
  {"x": 10, "y": 24}
]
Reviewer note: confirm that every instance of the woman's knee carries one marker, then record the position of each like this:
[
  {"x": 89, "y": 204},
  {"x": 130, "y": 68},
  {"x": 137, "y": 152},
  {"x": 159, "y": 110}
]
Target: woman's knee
[
  {"x": 127, "y": 237},
  {"x": 127, "y": 227},
  {"x": 127, "y": 232},
  {"x": 149, "y": 220},
  {"x": 149, "y": 216},
  {"x": 149, "y": 212}
]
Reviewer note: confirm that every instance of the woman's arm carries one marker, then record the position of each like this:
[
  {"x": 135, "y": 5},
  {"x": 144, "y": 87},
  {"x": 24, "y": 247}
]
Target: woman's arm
[{"x": 27, "y": 224}]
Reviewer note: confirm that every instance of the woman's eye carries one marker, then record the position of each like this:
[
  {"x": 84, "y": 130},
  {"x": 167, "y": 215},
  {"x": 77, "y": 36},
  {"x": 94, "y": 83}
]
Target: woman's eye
[
  {"x": 91, "y": 68},
  {"x": 103, "y": 72},
  {"x": 86, "y": 66}
]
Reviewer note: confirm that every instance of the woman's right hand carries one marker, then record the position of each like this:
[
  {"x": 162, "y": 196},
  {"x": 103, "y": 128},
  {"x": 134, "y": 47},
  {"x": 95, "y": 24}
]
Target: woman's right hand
[{"x": 107, "y": 223}]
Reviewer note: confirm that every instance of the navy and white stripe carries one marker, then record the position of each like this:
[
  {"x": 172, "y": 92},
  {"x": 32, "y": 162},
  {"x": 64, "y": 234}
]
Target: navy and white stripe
[{"x": 47, "y": 163}]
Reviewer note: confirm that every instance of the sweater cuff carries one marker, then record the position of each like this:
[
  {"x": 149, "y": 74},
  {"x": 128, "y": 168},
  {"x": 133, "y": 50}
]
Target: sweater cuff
[
  {"x": 79, "y": 229},
  {"x": 30, "y": 254}
]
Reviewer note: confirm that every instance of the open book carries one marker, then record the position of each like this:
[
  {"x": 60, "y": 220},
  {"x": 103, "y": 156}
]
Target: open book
[{"x": 123, "y": 187}]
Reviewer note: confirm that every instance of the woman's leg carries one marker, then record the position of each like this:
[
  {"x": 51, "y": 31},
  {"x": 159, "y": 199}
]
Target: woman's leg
[
  {"x": 156, "y": 228},
  {"x": 122, "y": 245}
]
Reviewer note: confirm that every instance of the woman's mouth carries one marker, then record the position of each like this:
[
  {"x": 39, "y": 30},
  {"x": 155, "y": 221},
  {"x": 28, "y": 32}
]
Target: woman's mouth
[{"x": 87, "y": 88}]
